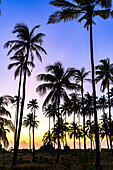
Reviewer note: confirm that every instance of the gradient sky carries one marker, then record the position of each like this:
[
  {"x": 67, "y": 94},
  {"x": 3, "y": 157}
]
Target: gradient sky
[{"x": 65, "y": 42}]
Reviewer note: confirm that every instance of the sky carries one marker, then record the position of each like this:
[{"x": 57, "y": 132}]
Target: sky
[{"x": 65, "y": 42}]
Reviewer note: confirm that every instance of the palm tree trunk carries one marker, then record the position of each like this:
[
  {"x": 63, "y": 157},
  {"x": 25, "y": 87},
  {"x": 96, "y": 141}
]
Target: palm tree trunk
[
  {"x": 57, "y": 159},
  {"x": 65, "y": 134},
  {"x": 49, "y": 136},
  {"x": 29, "y": 138},
  {"x": 97, "y": 162},
  {"x": 34, "y": 136},
  {"x": 74, "y": 131},
  {"x": 83, "y": 115},
  {"x": 21, "y": 114},
  {"x": 110, "y": 119},
  {"x": 16, "y": 117}
]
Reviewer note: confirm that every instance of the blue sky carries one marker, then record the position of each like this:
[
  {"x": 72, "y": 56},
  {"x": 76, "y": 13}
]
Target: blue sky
[{"x": 65, "y": 42}]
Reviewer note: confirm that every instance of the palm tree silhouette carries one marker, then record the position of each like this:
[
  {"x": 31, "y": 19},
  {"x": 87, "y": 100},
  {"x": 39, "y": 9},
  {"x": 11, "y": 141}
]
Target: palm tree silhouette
[
  {"x": 57, "y": 81},
  {"x": 104, "y": 128},
  {"x": 28, "y": 43},
  {"x": 80, "y": 76},
  {"x": 49, "y": 112},
  {"x": 33, "y": 104},
  {"x": 28, "y": 121},
  {"x": 4, "y": 101},
  {"x": 19, "y": 62},
  {"x": 73, "y": 131},
  {"x": 75, "y": 106},
  {"x": 66, "y": 110},
  {"x": 83, "y": 10},
  {"x": 89, "y": 111},
  {"x": 104, "y": 73}
]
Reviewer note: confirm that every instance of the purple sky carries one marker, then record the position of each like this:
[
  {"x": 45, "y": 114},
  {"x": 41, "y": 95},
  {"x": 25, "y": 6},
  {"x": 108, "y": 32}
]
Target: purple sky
[{"x": 66, "y": 42}]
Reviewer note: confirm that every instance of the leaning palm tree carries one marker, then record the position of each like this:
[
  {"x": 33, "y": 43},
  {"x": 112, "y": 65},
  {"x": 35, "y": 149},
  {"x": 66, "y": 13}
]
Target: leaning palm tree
[
  {"x": 56, "y": 82},
  {"x": 28, "y": 121},
  {"x": 33, "y": 104},
  {"x": 83, "y": 10},
  {"x": 80, "y": 76},
  {"x": 104, "y": 73},
  {"x": 28, "y": 43}
]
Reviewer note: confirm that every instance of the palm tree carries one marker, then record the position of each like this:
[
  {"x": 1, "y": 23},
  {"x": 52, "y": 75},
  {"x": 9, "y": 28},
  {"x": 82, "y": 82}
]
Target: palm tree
[
  {"x": 19, "y": 62},
  {"x": 28, "y": 121},
  {"x": 104, "y": 73},
  {"x": 49, "y": 112},
  {"x": 4, "y": 101},
  {"x": 89, "y": 111},
  {"x": 28, "y": 43},
  {"x": 104, "y": 127},
  {"x": 80, "y": 76},
  {"x": 83, "y": 10},
  {"x": 73, "y": 131},
  {"x": 3, "y": 131},
  {"x": 63, "y": 129},
  {"x": 66, "y": 110},
  {"x": 57, "y": 81},
  {"x": 47, "y": 138},
  {"x": 33, "y": 104},
  {"x": 75, "y": 106}
]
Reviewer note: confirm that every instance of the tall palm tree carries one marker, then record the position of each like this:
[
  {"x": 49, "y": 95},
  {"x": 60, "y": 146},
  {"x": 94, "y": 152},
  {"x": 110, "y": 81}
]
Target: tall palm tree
[
  {"x": 80, "y": 76},
  {"x": 56, "y": 82},
  {"x": 104, "y": 73},
  {"x": 19, "y": 62},
  {"x": 33, "y": 104},
  {"x": 28, "y": 43},
  {"x": 83, "y": 10},
  {"x": 28, "y": 121}
]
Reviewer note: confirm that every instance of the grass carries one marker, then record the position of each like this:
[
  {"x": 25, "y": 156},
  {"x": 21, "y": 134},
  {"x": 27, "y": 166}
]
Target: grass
[{"x": 69, "y": 160}]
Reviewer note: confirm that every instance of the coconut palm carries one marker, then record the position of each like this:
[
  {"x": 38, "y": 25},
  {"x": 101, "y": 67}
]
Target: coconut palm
[
  {"x": 28, "y": 43},
  {"x": 49, "y": 112},
  {"x": 83, "y": 10},
  {"x": 5, "y": 126},
  {"x": 47, "y": 138},
  {"x": 63, "y": 129},
  {"x": 75, "y": 106},
  {"x": 104, "y": 73},
  {"x": 33, "y": 105},
  {"x": 66, "y": 111},
  {"x": 56, "y": 82},
  {"x": 73, "y": 131},
  {"x": 4, "y": 101},
  {"x": 104, "y": 128},
  {"x": 19, "y": 62},
  {"x": 28, "y": 121},
  {"x": 80, "y": 76}
]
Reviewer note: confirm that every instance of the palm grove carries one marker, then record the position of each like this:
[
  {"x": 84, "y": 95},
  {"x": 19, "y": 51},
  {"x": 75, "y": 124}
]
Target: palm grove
[{"x": 65, "y": 88}]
